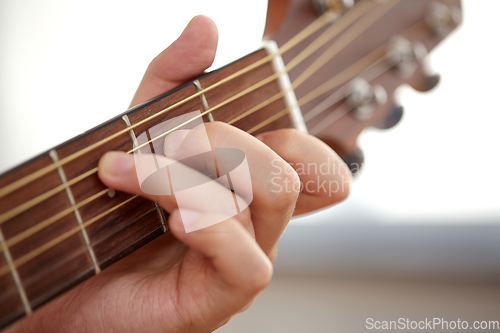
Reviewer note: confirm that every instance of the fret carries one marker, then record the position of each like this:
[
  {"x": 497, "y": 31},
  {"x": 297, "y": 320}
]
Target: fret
[
  {"x": 42, "y": 276},
  {"x": 133, "y": 138},
  {"x": 62, "y": 175},
  {"x": 203, "y": 99},
  {"x": 15, "y": 275}
]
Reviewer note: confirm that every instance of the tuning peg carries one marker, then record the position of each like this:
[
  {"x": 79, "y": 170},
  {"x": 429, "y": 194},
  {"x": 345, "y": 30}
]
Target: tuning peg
[
  {"x": 431, "y": 81},
  {"x": 440, "y": 17},
  {"x": 354, "y": 160},
  {"x": 335, "y": 7},
  {"x": 426, "y": 79},
  {"x": 364, "y": 98},
  {"x": 393, "y": 117}
]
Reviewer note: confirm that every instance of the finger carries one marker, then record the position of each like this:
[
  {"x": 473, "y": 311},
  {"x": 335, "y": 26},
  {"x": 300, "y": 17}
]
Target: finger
[
  {"x": 184, "y": 59},
  {"x": 120, "y": 171},
  {"x": 238, "y": 260},
  {"x": 271, "y": 208},
  {"x": 139, "y": 174},
  {"x": 325, "y": 178}
]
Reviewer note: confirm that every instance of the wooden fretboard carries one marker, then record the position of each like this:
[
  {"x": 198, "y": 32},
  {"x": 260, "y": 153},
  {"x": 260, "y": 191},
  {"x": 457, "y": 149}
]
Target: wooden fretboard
[{"x": 86, "y": 228}]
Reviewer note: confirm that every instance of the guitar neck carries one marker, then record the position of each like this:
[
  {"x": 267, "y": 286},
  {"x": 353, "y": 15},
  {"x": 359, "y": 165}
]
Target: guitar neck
[{"x": 65, "y": 226}]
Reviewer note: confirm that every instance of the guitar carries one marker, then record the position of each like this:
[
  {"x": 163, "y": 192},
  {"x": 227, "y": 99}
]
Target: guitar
[{"x": 328, "y": 67}]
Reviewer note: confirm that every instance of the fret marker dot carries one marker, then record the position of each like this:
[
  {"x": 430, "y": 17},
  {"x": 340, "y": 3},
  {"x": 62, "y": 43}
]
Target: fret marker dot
[{"x": 111, "y": 193}]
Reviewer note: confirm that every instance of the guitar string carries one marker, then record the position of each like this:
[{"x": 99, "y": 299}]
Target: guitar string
[
  {"x": 100, "y": 194},
  {"x": 50, "y": 244},
  {"x": 345, "y": 75},
  {"x": 365, "y": 63},
  {"x": 341, "y": 93},
  {"x": 34, "y": 253},
  {"x": 327, "y": 55},
  {"x": 342, "y": 109},
  {"x": 25, "y": 258},
  {"x": 34, "y": 278},
  {"x": 352, "y": 15},
  {"x": 337, "y": 98},
  {"x": 30, "y": 203},
  {"x": 336, "y": 81},
  {"x": 336, "y": 116},
  {"x": 51, "y": 220}
]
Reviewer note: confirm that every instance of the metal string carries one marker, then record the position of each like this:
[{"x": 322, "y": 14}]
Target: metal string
[
  {"x": 313, "y": 27},
  {"x": 30, "y": 203},
  {"x": 47, "y": 222}
]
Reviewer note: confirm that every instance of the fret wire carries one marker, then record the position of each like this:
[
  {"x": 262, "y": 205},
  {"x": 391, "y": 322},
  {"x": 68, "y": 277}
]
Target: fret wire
[
  {"x": 27, "y": 205},
  {"x": 44, "y": 196},
  {"x": 62, "y": 287},
  {"x": 53, "y": 154},
  {"x": 310, "y": 29},
  {"x": 274, "y": 117},
  {"x": 52, "y": 268},
  {"x": 49, "y": 221},
  {"x": 11, "y": 267},
  {"x": 134, "y": 142},
  {"x": 203, "y": 99},
  {"x": 262, "y": 124},
  {"x": 30, "y": 255},
  {"x": 69, "y": 233},
  {"x": 28, "y": 232},
  {"x": 316, "y": 92},
  {"x": 292, "y": 64}
]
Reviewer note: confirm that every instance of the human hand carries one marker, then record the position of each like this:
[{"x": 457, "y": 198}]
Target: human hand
[{"x": 195, "y": 282}]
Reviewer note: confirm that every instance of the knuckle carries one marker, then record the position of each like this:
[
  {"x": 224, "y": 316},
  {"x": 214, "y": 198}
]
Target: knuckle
[
  {"x": 217, "y": 129},
  {"x": 285, "y": 186},
  {"x": 260, "y": 277},
  {"x": 288, "y": 138}
]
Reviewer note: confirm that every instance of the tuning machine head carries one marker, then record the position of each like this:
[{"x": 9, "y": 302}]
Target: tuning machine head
[
  {"x": 440, "y": 17},
  {"x": 335, "y": 7},
  {"x": 409, "y": 57},
  {"x": 404, "y": 55},
  {"x": 364, "y": 98}
]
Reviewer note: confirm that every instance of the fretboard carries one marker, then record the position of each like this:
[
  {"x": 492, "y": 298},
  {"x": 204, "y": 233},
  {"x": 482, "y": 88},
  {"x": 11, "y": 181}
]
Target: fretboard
[{"x": 64, "y": 226}]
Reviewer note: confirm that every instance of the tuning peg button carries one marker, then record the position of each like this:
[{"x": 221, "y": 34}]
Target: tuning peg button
[
  {"x": 431, "y": 81},
  {"x": 440, "y": 17},
  {"x": 354, "y": 160},
  {"x": 395, "y": 115}
]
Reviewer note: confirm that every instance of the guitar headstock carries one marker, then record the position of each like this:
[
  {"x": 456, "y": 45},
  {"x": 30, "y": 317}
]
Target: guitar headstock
[{"x": 382, "y": 48}]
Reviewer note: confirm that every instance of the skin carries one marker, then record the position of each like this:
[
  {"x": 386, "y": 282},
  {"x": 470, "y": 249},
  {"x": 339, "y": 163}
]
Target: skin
[{"x": 195, "y": 282}]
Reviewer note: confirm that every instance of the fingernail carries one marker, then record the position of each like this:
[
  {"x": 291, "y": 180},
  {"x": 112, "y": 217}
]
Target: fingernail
[
  {"x": 173, "y": 141},
  {"x": 117, "y": 163}
]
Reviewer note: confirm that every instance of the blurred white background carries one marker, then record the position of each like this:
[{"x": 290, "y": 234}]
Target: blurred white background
[{"x": 426, "y": 206}]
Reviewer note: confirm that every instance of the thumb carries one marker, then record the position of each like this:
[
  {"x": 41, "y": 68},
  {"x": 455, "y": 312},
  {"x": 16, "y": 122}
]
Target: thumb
[{"x": 184, "y": 59}]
